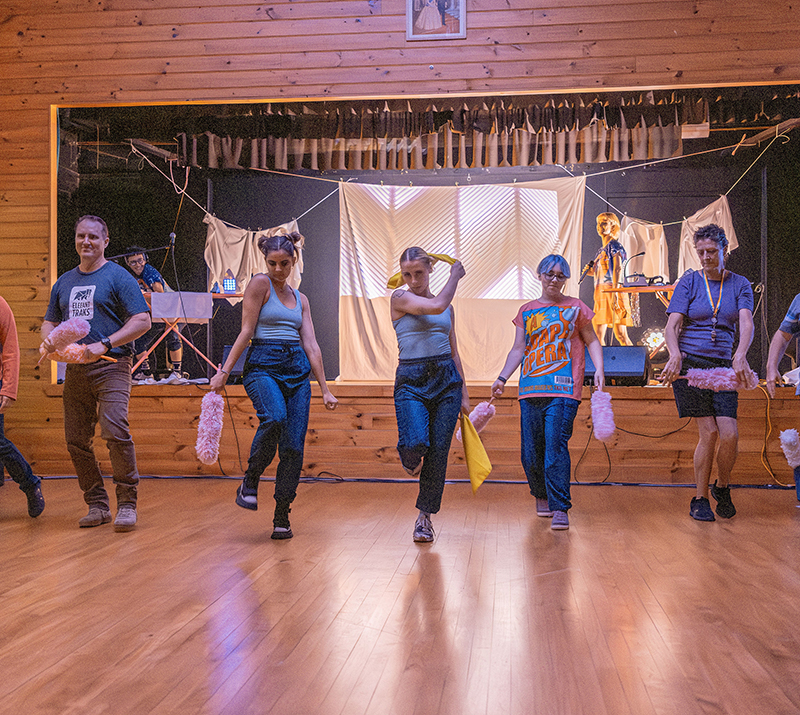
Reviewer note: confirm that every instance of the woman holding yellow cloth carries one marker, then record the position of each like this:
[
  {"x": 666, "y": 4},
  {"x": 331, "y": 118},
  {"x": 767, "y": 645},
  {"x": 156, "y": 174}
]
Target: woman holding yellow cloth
[{"x": 429, "y": 389}]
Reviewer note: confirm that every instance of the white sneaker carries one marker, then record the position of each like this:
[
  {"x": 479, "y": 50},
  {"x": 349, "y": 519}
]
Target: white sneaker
[{"x": 175, "y": 378}]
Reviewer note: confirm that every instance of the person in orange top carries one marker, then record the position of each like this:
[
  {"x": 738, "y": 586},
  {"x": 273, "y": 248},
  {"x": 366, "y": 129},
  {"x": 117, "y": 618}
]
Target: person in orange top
[{"x": 13, "y": 461}]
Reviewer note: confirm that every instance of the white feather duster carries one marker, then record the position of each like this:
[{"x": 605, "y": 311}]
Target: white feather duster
[
  {"x": 790, "y": 444},
  {"x": 209, "y": 428}
]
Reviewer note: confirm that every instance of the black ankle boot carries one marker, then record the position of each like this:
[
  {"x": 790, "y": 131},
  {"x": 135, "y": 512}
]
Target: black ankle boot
[
  {"x": 246, "y": 497},
  {"x": 280, "y": 522}
]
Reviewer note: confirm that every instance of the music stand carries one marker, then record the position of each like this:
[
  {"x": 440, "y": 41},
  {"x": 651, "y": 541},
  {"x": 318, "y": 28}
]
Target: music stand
[{"x": 176, "y": 308}]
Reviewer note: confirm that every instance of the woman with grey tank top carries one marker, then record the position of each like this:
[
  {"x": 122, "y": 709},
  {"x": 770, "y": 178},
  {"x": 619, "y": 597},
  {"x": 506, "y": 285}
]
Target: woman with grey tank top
[
  {"x": 276, "y": 321},
  {"x": 430, "y": 389}
]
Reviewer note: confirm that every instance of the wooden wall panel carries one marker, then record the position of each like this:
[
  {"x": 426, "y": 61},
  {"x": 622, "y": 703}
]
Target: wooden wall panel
[
  {"x": 358, "y": 440},
  {"x": 112, "y": 51}
]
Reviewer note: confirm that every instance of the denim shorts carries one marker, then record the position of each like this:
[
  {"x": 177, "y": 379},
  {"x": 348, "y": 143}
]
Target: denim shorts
[{"x": 695, "y": 402}]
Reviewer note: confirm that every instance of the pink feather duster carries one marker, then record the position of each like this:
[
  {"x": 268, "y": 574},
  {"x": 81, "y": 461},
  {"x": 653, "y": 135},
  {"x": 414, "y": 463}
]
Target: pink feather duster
[
  {"x": 602, "y": 416},
  {"x": 480, "y": 416},
  {"x": 209, "y": 428},
  {"x": 70, "y": 331},
  {"x": 720, "y": 379},
  {"x": 790, "y": 444},
  {"x": 69, "y": 353}
]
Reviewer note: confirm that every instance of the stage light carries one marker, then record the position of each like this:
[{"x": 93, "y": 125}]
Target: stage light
[
  {"x": 229, "y": 282},
  {"x": 653, "y": 340}
]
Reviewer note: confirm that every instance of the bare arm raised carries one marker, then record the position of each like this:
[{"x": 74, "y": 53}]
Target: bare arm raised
[{"x": 406, "y": 301}]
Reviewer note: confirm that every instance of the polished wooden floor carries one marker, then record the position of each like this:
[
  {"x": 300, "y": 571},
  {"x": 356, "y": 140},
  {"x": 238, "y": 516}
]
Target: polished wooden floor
[{"x": 636, "y": 609}]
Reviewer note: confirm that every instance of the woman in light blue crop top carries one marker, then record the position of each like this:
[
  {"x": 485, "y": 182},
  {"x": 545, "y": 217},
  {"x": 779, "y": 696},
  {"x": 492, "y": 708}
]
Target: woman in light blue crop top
[
  {"x": 429, "y": 388},
  {"x": 276, "y": 320}
]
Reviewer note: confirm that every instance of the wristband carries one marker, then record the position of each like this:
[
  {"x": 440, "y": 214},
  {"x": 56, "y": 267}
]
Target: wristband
[
  {"x": 106, "y": 343},
  {"x": 502, "y": 379},
  {"x": 225, "y": 371}
]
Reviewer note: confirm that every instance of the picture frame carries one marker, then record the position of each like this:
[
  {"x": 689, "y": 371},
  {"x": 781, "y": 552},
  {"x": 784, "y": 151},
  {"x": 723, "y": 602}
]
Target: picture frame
[{"x": 436, "y": 19}]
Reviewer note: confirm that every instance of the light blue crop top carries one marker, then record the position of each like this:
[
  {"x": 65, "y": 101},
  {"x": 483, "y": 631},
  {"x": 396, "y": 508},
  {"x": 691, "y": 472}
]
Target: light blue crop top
[
  {"x": 276, "y": 321},
  {"x": 421, "y": 336}
]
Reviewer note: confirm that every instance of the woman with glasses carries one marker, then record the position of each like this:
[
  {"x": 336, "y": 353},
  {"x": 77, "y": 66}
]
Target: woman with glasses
[
  {"x": 704, "y": 310},
  {"x": 429, "y": 388},
  {"x": 551, "y": 334}
]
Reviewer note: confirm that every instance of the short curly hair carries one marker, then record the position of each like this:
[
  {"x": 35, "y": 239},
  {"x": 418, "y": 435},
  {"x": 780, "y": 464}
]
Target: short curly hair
[{"x": 711, "y": 232}]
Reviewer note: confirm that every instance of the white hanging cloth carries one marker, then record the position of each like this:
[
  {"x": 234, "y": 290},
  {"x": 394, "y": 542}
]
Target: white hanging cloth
[
  {"x": 718, "y": 212},
  {"x": 236, "y": 250},
  {"x": 638, "y": 236}
]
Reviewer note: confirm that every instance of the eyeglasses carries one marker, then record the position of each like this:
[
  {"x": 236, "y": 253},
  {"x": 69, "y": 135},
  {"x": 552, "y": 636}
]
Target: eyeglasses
[
  {"x": 560, "y": 277},
  {"x": 135, "y": 261}
]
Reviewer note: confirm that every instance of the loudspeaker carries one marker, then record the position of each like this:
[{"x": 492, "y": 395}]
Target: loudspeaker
[
  {"x": 624, "y": 365},
  {"x": 236, "y": 371}
]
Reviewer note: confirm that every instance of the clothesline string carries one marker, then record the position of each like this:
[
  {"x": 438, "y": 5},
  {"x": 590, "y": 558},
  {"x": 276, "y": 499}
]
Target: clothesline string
[
  {"x": 562, "y": 166},
  {"x": 183, "y": 191},
  {"x": 660, "y": 161}
]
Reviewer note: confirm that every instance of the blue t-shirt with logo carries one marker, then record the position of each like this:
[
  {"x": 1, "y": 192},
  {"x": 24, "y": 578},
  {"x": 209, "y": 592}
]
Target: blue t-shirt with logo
[
  {"x": 107, "y": 298},
  {"x": 691, "y": 299}
]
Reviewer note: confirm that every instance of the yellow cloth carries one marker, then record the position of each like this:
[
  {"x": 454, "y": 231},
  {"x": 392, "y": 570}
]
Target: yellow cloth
[
  {"x": 397, "y": 279},
  {"x": 478, "y": 464}
]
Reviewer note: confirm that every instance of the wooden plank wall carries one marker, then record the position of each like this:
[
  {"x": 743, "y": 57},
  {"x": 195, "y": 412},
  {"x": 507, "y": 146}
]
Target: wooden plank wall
[
  {"x": 359, "y": 439},
  {"x": 121, "y": 51}
]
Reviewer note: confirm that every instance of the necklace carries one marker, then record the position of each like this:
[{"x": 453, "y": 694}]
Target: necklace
[{"x": 714, "y": 308}]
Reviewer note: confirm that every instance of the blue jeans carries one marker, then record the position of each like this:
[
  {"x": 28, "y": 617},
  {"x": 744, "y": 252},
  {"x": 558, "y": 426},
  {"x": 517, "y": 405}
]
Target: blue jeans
[
  {"x": 275, "y": 377},
  {"x": 427, "y": 400},
  {"x": 546, "y": 426},
  {"x": 16, "y": 465},
  {"x": 94, "y": 393}
]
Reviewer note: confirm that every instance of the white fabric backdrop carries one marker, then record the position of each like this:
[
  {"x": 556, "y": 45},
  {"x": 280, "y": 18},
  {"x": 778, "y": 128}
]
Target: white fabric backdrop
[{"x": 499, "y": 232}]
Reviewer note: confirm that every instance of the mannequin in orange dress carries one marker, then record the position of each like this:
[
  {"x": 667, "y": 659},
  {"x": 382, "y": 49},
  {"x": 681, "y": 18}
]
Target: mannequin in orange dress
[{"x": 612, "y": 309}]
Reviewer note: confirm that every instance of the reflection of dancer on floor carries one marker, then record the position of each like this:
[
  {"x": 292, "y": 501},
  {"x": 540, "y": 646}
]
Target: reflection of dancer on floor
[
  {"x": 429, "y": 18},
  {"x": 429, "y": 389},
  {"x": 283, "y": 352}
]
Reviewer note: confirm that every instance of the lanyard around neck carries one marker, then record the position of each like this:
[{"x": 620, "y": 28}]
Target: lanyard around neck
[{"x": 714, "y": 308}]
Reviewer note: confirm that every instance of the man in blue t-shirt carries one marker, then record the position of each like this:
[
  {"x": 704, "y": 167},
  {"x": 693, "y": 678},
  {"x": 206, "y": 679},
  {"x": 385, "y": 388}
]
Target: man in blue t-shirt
[
  {"x": 150, "y": 280},
  {"x": 98, "y": 389},
  {"x": 789, "y": 328}
]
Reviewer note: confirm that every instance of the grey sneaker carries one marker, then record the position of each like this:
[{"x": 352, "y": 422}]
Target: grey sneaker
[
  {"x": 560, "y": 521},
  {"x": 175, "y": 378},
  {"x": 126, "y": 518},
  {"x": 97, "y": 515},
  {"x": 423, "y": 529},
  {"x": 543, "y": 508}
]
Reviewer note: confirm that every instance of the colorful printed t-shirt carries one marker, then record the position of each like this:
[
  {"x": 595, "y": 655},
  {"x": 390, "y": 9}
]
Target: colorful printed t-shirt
[{"x": 553, "y": 361}]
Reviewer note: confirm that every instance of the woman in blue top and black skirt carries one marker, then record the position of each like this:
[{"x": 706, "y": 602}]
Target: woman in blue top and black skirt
[
  {"x": 283, "y": 352},
  {"x": 703, "y": 313},
  {"x": 429, "y": 389}
]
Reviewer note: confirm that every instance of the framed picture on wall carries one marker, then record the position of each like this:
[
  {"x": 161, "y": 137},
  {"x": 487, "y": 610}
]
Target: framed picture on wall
[{"x": 436, "y": 19}]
